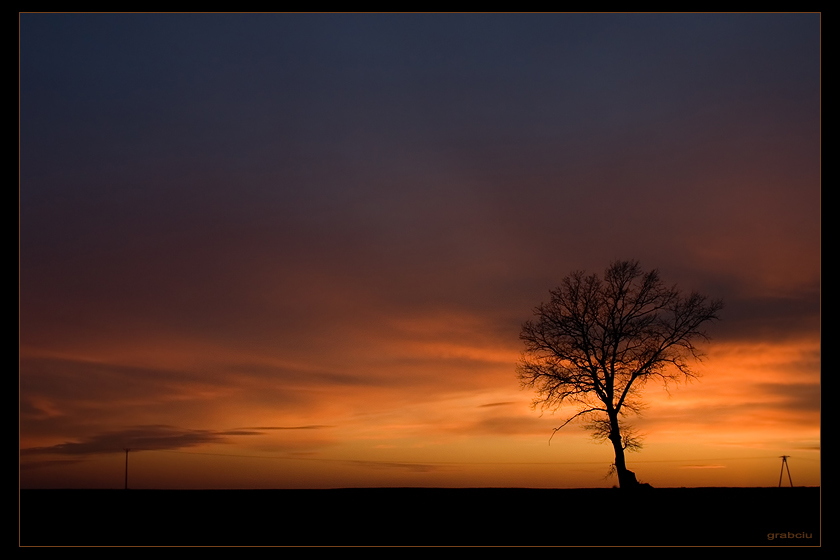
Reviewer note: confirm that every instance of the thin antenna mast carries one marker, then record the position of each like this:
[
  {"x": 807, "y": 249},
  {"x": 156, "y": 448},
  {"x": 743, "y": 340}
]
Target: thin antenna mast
[
  {"x": 126, "y": 467},
  {"x": 785, "y": 466}
]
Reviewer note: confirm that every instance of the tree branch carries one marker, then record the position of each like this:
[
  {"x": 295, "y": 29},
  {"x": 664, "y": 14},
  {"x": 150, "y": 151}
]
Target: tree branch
[{"x": 580, "y": 413}]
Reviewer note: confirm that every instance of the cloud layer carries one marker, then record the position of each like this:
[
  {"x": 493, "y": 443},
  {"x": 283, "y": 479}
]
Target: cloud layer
[{"x": 342, "y": 220}]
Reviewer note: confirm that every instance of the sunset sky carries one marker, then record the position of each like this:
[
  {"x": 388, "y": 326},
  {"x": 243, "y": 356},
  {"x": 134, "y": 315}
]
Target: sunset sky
[{"x": 296, "y": 250}]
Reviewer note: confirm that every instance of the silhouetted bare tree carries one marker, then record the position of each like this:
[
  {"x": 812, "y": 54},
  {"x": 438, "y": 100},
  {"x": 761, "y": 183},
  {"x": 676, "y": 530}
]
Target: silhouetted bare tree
[{"x": 596, "y": 343}]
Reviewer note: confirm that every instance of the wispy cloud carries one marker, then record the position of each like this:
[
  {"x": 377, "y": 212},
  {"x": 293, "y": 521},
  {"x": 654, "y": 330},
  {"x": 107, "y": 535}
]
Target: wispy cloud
[
  {"x": 35, "y": 464},
  {"x": 142, "y": 438},
  {"x": 401, "y": 466},
  {"x": 270, "y": 428}
]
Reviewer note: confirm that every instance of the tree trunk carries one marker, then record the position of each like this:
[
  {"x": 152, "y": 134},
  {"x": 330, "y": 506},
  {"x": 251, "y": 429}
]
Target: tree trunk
[{"x": 626, "y": 478}]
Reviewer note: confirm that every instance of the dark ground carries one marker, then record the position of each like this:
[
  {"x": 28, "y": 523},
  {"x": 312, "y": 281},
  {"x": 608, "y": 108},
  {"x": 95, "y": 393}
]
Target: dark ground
[{"x": 422, "y": 517}]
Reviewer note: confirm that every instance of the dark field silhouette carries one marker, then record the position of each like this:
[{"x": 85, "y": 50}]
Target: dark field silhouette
[{"x": 423, "y": 517}]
